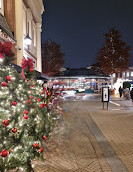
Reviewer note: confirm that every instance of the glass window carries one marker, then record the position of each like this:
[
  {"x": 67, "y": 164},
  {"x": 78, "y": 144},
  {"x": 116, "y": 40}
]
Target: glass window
[
  {"x": 131, "y": 73},
  {"x": 34, "y": 36},
  {"x": 123, "y": 74},
  {"x": 113, "y": 75},
  {"x": 24, "y": 22},
  {"x": 29, "y": 28},
  {"x": 127, "y": 74}
]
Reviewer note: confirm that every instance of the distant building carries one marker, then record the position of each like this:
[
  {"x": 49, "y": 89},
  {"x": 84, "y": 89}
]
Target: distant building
[
  {"x": 125, "y": 75},
  {"x": 82, "y": 78}
]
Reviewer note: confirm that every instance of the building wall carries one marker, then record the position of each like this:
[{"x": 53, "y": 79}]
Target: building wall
[
  {"x": 126, "y": 75},
  {"x": 20, "y": 13},
  {"x": 9, "y": 13},
  {"x": 2, "y": 7}
]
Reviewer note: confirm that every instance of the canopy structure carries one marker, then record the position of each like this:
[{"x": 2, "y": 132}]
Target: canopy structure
[{"x": 5, "y": 32}]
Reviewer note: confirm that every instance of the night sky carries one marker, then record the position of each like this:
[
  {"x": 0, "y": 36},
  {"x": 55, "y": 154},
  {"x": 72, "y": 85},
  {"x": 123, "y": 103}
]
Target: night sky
[{"x": 78, "y": 26}]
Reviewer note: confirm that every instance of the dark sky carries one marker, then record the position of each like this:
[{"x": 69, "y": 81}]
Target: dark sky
[{"x": 78, "y": 26}]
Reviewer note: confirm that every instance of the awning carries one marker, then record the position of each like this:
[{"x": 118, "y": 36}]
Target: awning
[
  {"x": 39, "y": 75},
  {"x": 5, "y": 28}
]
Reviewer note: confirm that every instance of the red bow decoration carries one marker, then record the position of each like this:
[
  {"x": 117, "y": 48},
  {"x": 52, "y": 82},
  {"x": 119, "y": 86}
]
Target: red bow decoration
[
  {"x": 5, "y": 48},
  {"x": 26, "y": 63}
]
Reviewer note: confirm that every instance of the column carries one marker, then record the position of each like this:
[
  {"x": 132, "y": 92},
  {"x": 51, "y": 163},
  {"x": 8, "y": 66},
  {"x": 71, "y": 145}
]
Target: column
[
  {"x": 38, "y": 41},
  {"x": 111, "y": 76},
  {"x": 19, "y": 29}
]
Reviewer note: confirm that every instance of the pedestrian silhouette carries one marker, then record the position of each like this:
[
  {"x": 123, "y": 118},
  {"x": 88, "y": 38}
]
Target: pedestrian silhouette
[
  {"x": 131, "y": 94},
  {"x": 120, "y": 91}
]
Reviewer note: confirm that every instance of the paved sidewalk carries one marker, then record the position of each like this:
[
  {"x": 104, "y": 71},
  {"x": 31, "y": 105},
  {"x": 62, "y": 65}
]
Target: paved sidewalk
[
  {"x": 74, "y": 149},
  {"x": 123, "y": 102}
]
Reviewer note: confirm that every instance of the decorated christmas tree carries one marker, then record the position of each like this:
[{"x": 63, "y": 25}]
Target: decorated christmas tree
[
  {"x": 26, "y": 118},
  {"x": 114, "y": 56}
]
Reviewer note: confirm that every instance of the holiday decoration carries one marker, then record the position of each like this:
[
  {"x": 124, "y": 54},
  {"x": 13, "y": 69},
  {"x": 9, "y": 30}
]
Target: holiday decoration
[
  {"x": 38, "y": 100},
  {"x": 14, "y": 103},
  {"x": 4, "y": 153},
  {"x": 114, "y": 56},
  {"x": 6, "y": 122},
  {"x": 8, "y": 78},
  {"x": 36, "y": 145},
  {"x": 27, "y": 68},
  {"x": 42, "y": 105},
  {"x": 25, "y": 117},
  {"x": 14, "y": 130},
  {"x": 4, "y": 84},
  {"x": 22, "y": 121},
  {"x": 44, "y": 137},
  {"x": 3, "y": 34},
  {"x": 40, "y": 150},
  {"x": 25, "y": 112}
]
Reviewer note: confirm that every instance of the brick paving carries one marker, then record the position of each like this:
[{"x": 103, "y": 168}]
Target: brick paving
[
  {"x": 74, "y": 148},
  {"x": 118, "y": 130}
]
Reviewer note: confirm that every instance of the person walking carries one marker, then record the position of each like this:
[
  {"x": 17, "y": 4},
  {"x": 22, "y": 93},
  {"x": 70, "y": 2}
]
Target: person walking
[
  {"x": 127, "y": 93},
  {"x": 120, "y": 91},
  {"x": 131, "y": 94}
]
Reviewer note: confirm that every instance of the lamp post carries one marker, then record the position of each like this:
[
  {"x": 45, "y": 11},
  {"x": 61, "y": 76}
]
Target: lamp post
[{"x": 27, "y": 39}]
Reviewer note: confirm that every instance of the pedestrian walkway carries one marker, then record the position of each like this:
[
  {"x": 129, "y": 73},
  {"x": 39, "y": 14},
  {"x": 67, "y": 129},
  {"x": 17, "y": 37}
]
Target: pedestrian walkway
[
  {"x": 126, "y": 103},
  {"x": 90, "y": 140}
]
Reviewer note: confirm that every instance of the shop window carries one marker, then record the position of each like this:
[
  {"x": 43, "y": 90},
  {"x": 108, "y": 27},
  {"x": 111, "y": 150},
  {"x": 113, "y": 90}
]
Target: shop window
[
  {"x": 131, "y": 73},
  {"x": 123, "y": 74},
  {"x": 113, "y": 75},
  {"x": 127, "y": 74}
]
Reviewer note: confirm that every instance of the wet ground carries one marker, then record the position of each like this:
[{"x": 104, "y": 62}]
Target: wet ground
[{"x": 90, "y": 139}]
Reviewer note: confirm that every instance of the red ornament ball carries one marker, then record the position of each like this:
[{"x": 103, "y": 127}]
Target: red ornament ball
[
  {"x": 42, "y": 92},
  {"x": 44, "y": 137},
  {"x": 31, "y": 97},
  {"x": 14, "y": 130},
  {"x": 32, "y": 85},
  {"x": 28, "y": 101},
  {"x": 8, "y": 78},
  {"x": 6, "y": 122},
  {"x": 25, "y": 112},
  {"x": 4, "y": 153},
  {"x": 31, "y": 69},
  {"x": 42, "y": 105},
  {"x": 38, "y": 100},
  {"x": 4, "y": 84},
  {"x": 35, "y": 145},
  {"x": 40, "y": 150},
  {"x": 14, "y": 103},
  {"x": 25, "y": 117}
]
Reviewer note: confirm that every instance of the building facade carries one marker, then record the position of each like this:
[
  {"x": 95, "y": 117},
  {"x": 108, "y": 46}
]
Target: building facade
[
  {"x": 125, "y": 75},
  {"x": 24, "y": 18},
  {"x": 81, "y": 79}
]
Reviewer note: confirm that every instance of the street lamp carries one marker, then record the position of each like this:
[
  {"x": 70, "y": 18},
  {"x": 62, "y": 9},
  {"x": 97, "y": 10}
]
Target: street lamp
[{"x": 27, "y": 39}]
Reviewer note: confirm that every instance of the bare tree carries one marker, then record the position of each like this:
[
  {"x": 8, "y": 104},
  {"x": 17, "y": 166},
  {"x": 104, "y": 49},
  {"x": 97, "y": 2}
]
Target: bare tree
[{"x": 52, "y": 58}]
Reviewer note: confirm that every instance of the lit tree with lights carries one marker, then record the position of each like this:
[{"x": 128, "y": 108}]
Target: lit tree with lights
[
  {"x": 114, "y": 56},
  {"x": 26, "y": 118}
]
